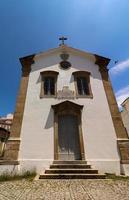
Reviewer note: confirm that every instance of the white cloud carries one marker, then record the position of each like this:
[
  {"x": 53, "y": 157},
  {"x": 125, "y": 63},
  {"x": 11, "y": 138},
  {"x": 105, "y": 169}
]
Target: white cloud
[
  {"x": 122, "y": 66},
  {"x": 121, "y": 95}
]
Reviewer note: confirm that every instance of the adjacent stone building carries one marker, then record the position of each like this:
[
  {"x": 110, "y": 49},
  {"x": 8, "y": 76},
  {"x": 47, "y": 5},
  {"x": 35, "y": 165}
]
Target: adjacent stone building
[
  {"x": 125, "y": 114},
  {"x": 5, "y": 126}
]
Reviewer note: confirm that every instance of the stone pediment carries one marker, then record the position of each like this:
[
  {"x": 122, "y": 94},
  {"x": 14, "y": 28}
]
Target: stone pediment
[{"x": 67, "y": 106}]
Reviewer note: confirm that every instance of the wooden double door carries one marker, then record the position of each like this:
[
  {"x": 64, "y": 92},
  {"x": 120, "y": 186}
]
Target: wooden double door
[{"x": 68, "y": 137}]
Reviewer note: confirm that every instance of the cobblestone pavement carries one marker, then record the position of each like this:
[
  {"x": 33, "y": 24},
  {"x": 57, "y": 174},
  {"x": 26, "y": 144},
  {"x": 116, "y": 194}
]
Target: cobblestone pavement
[{"x": 65, "y": 190}]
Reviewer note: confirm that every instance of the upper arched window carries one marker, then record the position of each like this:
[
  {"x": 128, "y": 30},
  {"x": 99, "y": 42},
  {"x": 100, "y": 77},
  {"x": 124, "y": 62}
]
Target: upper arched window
[
  {"x": 48, "y": 84},
  {"x": 82, "y": 84}
]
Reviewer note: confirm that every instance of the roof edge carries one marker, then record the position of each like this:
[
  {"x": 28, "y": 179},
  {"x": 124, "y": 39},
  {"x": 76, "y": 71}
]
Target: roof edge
[
  {"x": 100, "y": 60},
  {"x": 27, "y": 59}
]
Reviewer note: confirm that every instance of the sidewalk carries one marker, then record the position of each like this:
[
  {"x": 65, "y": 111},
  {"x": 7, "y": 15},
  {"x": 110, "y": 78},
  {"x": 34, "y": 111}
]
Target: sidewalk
[{"x": 65, "y": 190}]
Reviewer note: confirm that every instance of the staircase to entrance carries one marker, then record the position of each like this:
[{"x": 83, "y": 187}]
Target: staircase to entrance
[{"x": 77, "y": 169}]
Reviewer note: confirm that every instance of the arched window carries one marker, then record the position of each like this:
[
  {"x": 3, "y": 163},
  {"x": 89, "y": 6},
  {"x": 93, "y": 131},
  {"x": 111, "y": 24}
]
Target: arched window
[
  {"x": 48, "y": 84},
  {"x": 82, "y": 84}
]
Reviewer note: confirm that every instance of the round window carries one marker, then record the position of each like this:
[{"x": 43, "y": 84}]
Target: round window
[{"x": 65, "y": 64}]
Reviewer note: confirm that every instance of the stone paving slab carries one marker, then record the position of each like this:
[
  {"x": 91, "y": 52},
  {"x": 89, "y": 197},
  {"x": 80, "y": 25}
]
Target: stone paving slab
[{"x": 65, "y": 190}]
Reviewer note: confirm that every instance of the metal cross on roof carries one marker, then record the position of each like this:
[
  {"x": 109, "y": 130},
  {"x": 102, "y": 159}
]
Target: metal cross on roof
[{"x": 62, "y": 39}]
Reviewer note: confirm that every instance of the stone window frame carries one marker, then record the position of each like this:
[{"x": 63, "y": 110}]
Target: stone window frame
[
  {"x": 44, "y": 74},
  {"x": 87, "y": 76}
]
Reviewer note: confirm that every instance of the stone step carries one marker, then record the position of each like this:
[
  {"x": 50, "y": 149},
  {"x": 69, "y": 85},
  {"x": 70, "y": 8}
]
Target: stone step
[
  {"x": 70, "y": 162},
  {"x": 70, "y": 166},
  {"x": 72, "y": 176},
  {"x": 71, "y": 171}
]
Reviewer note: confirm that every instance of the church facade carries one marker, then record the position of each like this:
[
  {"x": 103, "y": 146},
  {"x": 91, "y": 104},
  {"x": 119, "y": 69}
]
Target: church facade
[{"x": 66, "y": 110}]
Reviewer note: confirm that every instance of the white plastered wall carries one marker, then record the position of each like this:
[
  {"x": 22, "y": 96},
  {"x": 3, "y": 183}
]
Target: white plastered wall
[{"x": 37, "y": 133}]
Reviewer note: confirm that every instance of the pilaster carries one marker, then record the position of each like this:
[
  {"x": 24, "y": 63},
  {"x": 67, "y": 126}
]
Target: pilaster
[
  {"x": 121, "y": 134},
  {"x": 13, "y": 144}
]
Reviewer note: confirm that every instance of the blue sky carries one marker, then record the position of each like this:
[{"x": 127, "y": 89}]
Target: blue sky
[{"x": 32, "y": 26}]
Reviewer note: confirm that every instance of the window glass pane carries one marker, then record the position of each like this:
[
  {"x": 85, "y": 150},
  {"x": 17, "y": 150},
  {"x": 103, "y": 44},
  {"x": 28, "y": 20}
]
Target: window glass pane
[
  {"x": 82, "y": 85},
  {"x": 49, "y": 85},
  {"x": 85, "y": 86},
  {"x": 79, "y": 85},
  {"x": 52, "y": 86}
]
